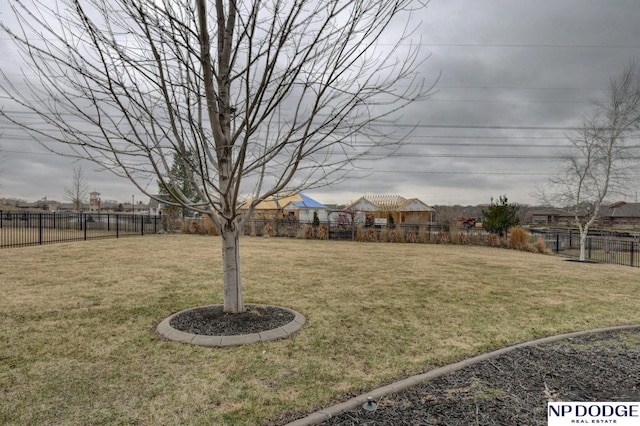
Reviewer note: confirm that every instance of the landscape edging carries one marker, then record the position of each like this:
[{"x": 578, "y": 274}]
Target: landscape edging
[
  {"x": 319, "y": 416},
  {"x": 165, "y": 329}
]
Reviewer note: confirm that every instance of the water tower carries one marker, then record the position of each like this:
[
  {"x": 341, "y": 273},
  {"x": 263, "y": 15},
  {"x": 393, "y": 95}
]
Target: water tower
[{"x": 94, "y": 202}]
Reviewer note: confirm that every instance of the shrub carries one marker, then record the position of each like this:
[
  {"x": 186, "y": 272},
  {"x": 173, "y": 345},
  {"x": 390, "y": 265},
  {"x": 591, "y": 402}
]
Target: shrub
[
  {"x": 541, "y": 245},
  {"x": 519, "y": 238},
  {"x": 443, "y": 237},
  {"x": 463, "y": 239},
  {"x": 372, "y": 234},
  {"x": 170, "y": 221},
  {"x": 195, "y": 227},
  {"x": 395, "y": 235},
  {"x": 308, "y": 232},
  {"x": 323, "y": 232},
  {"x": 493, "y": 240},
  {"x": 209, "y": 227},
  {"x": 192, "y": 227},
  {"x": 423, "y": 235}
]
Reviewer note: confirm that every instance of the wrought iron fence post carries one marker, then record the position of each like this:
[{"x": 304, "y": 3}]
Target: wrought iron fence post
[
  {"x": 84, "y": 219},
  {"x": 557, "y": 242},
  {"x": 589, "y": 247},
  {"x": 632, "y": 252},
  {"x": 40, "y": 228}
]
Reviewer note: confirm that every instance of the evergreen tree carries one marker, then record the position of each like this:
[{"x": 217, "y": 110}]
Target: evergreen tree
[
  {"x": 179, "y": 186},
  {"x": 500, "y": 216}
]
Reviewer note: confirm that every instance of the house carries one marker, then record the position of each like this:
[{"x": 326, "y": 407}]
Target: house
[
  {"x": 620, "y": 215},
  {"x": 291, "y": 206},
  {"x": 551, "y": 216},
  {"x": 156, "y": 206},
  {"x": 305, "y": 209},
  {"x": 381, "y": 209}
]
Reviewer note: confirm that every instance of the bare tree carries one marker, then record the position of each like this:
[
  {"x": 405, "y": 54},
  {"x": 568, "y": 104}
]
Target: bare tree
[
  {"x": 77, "y": 192},
  {"x": 602, "y": 160},
  {"x": 254, "y": 97}
]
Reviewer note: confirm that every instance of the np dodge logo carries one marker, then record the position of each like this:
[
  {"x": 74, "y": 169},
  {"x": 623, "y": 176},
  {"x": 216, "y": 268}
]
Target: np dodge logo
[{"x": 572, "y": 413}]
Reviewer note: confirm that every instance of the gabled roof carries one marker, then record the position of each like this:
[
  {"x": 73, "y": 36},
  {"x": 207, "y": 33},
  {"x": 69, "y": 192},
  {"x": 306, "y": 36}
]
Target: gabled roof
[
  {"x": 415, "y": 205},
  {"x": 394, "y": 203},
  {"x": 362, "y": 204},
  {"x": 280, "y": 201},
  {"x": 621, "y": 209},
  {"x": 306, "y": 202}
]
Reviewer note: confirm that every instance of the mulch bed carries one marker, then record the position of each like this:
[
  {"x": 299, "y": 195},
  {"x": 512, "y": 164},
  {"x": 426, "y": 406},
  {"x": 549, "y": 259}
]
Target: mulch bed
[
  {"x": 514, "y": 388},
  {"x": 510, "y": 389},
  {"x": 212, "y": 321}
]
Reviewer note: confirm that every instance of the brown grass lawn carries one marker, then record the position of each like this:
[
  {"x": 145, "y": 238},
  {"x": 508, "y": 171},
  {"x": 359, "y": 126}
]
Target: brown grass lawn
[{"x": 78, "y": 342}]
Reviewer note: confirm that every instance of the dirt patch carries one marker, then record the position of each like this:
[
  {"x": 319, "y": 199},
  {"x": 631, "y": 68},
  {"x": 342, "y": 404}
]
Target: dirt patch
[{"x": 514, "y": 388}]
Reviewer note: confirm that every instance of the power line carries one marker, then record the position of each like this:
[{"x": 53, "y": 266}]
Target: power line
[
  {"x": 533, "y": 46},
  {"x": 414, "y": 125},
  {"x": 449, "y": 172}
]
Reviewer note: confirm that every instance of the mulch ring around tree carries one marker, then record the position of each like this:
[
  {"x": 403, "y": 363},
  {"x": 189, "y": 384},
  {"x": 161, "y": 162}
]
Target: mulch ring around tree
[
  {"x": 211, "y": 326},
  {"x": 513, "y": 388},
  {"x": 213, "y": 321}
]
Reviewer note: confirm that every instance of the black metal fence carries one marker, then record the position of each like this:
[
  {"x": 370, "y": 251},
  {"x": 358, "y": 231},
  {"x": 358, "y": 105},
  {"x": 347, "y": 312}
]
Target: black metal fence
[
  {"x": 600, "y": 246},
  {"x": 414, "y": 233},
  {"x": 20, "y": 229}
]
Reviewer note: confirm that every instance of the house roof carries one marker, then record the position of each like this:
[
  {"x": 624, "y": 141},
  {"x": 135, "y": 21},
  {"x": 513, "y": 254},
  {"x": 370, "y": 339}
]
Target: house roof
[
  {"x": 621, "y": 209},
  {"x": 550, "y": 211},
  {"x": 279, "y": 201},
  {"x": 388, "y": 203},
  {"x": 306, "y": 202}
]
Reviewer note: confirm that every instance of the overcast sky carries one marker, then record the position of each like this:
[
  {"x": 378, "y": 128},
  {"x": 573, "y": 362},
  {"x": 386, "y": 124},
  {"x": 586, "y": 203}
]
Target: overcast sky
[{"x": 514, "y": 77}]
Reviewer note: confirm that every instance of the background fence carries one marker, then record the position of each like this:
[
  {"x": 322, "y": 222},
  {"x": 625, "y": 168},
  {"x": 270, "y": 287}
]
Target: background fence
[
  {"x": 19, "y": 229},
  {"x": 606, "y": 247},
  {"x": 600, "y": 246}
]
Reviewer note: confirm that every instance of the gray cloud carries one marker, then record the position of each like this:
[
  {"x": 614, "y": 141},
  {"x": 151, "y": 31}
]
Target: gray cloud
[{"x": 510, "y": 74}]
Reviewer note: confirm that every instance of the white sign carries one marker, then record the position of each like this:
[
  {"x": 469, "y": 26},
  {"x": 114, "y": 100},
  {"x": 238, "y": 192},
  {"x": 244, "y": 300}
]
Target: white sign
[{"x": 593, "y": 413}]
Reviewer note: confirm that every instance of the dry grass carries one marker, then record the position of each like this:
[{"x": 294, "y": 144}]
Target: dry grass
[{"x": 77, "y": 323}]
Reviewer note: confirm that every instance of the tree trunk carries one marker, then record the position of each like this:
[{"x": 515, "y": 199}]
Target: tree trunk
[
  {"x": 583, "y": 243},
  {"x": 231, "y": 268}
]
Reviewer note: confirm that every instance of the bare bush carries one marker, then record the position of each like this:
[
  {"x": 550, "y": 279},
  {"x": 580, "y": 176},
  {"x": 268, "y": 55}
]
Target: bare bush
[
  {"x": 541, "y": 245},
  {"x": 323, "y": 232},
  {"x": 519, "y": 238}
]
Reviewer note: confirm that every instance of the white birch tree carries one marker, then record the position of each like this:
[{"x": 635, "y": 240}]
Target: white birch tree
[
  {"x": 254, "y": 97},
  {"x": 602, "y": 161}
]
